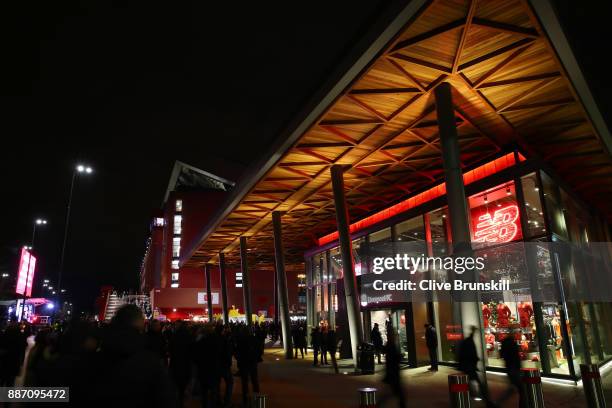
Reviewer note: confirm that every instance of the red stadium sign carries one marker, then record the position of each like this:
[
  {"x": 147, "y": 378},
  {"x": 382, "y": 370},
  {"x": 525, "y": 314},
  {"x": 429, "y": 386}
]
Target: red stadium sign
[{"x": 25, "y": 277}]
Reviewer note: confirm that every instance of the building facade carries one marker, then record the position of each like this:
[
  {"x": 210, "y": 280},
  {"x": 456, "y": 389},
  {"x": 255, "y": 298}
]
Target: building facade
[{"x": 556, "y": 335}]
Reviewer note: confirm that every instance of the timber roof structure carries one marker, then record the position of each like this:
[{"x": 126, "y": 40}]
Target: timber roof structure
[{"x": 515, "y": 85}]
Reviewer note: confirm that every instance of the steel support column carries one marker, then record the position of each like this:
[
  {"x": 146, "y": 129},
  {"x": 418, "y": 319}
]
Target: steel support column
[
  {"x": 223, "y": 288},
  {"x": 209, "y": 302},
  {"x": 458, "y": 212},
  {"x": 351, "y": 292},
  {"x": 246, "y": 287},
  {"x": 281, "y": 285}
]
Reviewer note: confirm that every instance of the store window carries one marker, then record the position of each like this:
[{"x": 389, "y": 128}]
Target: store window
[
  {"x": 439, "y": 231},
  {"x": 380, "y": 245},
  {"x": 318, "y": 268},
  {"x": 495, "y": 215},
  {"x": 411, "y": 238},
  {"x": 508, "y": 313},
  {"x": 554, "y": 208},
  {"x": 336, "y": 262},
  {"x": 536, "y": 225},
  {"x": 360, "y": 252}
]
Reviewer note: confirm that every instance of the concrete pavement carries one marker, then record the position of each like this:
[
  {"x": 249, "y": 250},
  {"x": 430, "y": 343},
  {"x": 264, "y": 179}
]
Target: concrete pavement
[{"x": 298, "y": 384}]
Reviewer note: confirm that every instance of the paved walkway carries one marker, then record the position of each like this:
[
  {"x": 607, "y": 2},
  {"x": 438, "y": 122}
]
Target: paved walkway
[{"x": 297, "y": 384}]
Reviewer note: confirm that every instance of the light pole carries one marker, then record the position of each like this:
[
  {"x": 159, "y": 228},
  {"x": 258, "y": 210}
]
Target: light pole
[{"x": 79, "y": 169}]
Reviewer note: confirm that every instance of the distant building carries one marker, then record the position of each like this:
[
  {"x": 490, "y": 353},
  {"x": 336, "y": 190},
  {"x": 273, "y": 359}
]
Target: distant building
[{"x": 192, "y": 198}]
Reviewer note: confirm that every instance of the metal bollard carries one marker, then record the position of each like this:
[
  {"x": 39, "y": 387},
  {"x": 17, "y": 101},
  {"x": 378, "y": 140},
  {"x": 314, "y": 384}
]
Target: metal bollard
[
  {"x": 532, "y": 383},
  {"x": 591, "y": 382},
  {"x": 367, "y": 397},
  {"x": 459, "y": 390},
  {"x": 260, "y": 400}
]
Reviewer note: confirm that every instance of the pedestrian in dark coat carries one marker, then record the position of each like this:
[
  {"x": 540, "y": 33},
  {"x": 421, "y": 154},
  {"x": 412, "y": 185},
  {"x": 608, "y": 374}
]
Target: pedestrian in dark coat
[
  {"x": 377, "y": 341},
  {"x": 315, "y": 341},
  {"x": 468, "y": 363},
  {"x": 431, "y": 339},
  {"x": 511, "y": 355},
  {"x": 248, "y": 356}
]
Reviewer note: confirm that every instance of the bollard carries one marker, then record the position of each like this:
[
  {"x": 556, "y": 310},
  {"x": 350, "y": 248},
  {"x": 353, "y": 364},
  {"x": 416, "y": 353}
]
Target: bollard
[
  {"x": 591, "y": 383},
  {"x": 532, "y": 383},
  {"x": 459, "y": 390},
  {"x": 367, "y": 397},
  {"x": 260, "y": 400}
]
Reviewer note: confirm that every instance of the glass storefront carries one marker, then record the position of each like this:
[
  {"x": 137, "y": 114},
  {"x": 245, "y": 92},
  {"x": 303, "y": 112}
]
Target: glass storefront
[{"x": 555, "y": 336}]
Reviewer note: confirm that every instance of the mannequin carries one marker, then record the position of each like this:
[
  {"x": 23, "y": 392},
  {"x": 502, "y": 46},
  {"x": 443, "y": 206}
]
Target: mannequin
[
  {"x": 525, "y": 312},
  {"x": 486, "y": 315},
  {"x": 503, "y": 315}
]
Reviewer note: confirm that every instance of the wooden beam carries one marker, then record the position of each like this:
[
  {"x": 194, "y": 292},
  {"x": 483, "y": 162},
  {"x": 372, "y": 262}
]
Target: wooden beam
[
  {"x": 383, "y": 91},
  {"x": 406, "y": 74},
  {"x": 564, "y": 101},
  {"x": 429, "y": 34},
  {"x": 520, "y": 80},
  {"x": 530, "y": 91},
  {"x": 506, "y": 28},
  {"x": 502, "y": 64},
  {"x": 468, "y": 22},
  {"x": 423, "y": 63},
  {"x": 492, "y": 54}
]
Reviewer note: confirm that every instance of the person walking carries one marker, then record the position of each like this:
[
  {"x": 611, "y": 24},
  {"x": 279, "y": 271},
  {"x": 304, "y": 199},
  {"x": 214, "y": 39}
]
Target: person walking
[
  {"x": 392, "y": 371},
  {"x": 301, "y": 340},
  {"x": 377, "y": 341},
  {"x": 248, "y": 355},
  {"x": 431, "y": 339},
  {"x": 315, "y": 341},
  {"x": 332, "y": 347},
  {"x": 181, "y": 351},
  {"x": 468, "y": 363},
  {"x": 510, "y": 353},
  {"x": 323, "y": 346}
]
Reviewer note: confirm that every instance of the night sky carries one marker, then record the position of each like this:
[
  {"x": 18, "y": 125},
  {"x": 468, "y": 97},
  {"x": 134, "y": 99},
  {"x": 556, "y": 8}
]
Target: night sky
[{"x": 130, "y": 89}]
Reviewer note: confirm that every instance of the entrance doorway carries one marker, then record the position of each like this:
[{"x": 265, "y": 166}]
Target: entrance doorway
[{"x": 390, "y": 319}]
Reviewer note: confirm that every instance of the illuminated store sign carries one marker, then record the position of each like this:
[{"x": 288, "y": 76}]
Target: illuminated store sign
[{"x": 499, "y": 226}]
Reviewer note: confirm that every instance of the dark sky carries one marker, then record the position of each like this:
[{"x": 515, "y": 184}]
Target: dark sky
[{"x": 131, "y": 88}]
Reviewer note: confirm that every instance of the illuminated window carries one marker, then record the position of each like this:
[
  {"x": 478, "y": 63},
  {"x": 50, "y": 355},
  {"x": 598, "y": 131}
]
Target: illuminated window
[
  {"x": 175, "y": 276},
  {"x": 178, "y": 206},
  {"x": 238, "y": 279},
  {"x": 175, "y": 264},
  {"x": 174, "y": 285},
  {"x": 176, "y": 247},
  {"x": 158, "y": 222},
  {"x": 178, "y": 219}
]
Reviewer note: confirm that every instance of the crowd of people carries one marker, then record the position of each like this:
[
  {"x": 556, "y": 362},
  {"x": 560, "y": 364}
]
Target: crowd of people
[{"x": 138, "y": 362}]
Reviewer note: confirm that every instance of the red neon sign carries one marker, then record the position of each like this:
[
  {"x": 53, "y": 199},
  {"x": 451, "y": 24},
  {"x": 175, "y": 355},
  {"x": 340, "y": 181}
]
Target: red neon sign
[
  {"x": 480, "y": 172},
  {"x": 499, "y": 227},
  {"x": 25, "y": 277}
]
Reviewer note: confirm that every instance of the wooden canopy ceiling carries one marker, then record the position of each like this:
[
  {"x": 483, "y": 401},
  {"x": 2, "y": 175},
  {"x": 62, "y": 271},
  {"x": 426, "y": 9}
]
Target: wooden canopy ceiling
[{"x": 508, "y": 88}]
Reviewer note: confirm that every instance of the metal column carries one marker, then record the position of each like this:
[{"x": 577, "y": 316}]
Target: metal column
[
  {"x": 348, "y": 270},
  {"x": 246, "y": 287},
  {"x": 281, "y": 284},
  {"x": 209, "y": 301},
  {"x": 457, "y": 208},
  {"x": 223, "y": 288}
]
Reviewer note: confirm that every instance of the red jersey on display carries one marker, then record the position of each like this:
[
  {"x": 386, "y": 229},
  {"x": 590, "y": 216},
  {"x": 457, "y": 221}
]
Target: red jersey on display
[
  {"x": 525, "y": 312},
  {"x": 486, "y": 315},
  {"x": 503, "y": 315}
]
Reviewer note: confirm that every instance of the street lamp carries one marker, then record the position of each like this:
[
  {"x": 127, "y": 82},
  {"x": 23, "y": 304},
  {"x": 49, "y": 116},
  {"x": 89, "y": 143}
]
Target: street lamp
[
  {"x": 79, "y": 169},
  {"x": 37, "y": 222}
]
